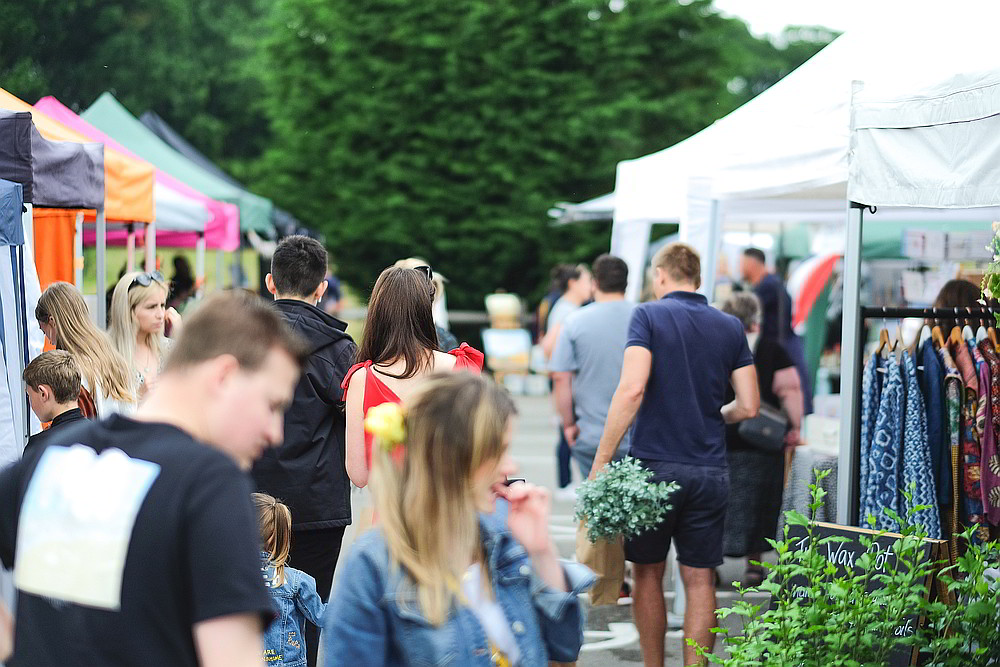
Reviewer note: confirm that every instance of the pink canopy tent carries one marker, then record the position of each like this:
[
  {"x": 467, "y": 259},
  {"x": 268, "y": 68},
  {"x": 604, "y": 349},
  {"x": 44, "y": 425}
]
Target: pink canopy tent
[{"x": 222, "y": 231}]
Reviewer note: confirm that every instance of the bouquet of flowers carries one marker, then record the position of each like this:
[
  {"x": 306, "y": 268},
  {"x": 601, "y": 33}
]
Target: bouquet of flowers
[{"x": 622, "y": 501}]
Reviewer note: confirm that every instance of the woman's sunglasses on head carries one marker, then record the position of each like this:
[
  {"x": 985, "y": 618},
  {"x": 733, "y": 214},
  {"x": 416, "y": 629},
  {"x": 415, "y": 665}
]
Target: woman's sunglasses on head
[
  {"x": 426, "y": 271},
  {"x": 147, "y": 278}
]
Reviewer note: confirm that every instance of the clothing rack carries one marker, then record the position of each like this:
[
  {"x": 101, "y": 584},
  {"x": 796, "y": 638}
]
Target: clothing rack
[{"x": 979, "y": 313}]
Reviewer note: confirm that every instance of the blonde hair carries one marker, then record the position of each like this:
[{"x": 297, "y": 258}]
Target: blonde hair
[
  {"x": 124, "y": 326},
  {"x": 274, "y": 521},
  {"x": 101, "y": 366},
  {"x": 681, "y": 262},
  {"x": 426, "y": 506}
]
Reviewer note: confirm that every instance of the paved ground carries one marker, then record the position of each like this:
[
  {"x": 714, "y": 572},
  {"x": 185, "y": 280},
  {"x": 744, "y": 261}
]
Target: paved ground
[{"x": 611, "y": 636}]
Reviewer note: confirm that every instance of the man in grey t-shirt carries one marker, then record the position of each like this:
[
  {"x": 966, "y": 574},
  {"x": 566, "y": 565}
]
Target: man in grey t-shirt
[{"x": 587, "y": 361}]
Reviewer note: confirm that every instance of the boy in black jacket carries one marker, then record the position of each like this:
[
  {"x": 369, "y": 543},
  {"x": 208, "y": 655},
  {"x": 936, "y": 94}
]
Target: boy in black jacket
[
  {"x": 52, "y": 381},
  {"x": 307, "y": 472}
]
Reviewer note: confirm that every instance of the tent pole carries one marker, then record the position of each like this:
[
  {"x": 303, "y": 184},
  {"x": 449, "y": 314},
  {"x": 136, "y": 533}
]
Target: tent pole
[
  {"x": 851, "y": 350},
  {"x": 78, "y": 252},
  {"x": 199, "y": 264},
  {"x": 151, "y": 246},
  {"x": 102, "y": 278},
  {"x": 28, "y": 223},
  {"x": 130, "y": 248},
  {"x": 711, "y": 268},
  {"x": 219, "y": 270}
]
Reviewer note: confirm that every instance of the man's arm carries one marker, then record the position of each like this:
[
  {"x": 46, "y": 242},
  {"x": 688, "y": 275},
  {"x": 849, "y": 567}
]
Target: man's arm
[
  {"x": 562, "y": 394},
  {"x": 550, "y": 339},
  {"x": 747, "y": 401},
  {"x": 229, "y": 641},
  {"x": 625, "y": 403}
]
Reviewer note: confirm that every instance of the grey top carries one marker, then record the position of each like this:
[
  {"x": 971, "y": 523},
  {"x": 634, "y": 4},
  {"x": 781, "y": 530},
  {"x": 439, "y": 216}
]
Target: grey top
[{"x": 592, "y": 345}]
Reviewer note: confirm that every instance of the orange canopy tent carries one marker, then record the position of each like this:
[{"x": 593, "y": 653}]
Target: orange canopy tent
[{"x": 128, "y": 197}]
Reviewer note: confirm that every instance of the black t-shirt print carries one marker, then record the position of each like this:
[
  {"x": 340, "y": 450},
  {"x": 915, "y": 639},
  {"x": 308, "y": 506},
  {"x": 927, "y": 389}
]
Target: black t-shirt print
[{"x": 192, "y": 555}]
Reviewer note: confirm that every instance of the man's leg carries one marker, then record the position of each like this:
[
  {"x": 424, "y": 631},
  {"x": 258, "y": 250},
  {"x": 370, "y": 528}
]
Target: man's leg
[
  {"x": 563, "y": 456},
  {"x": 699, "y": 617},
  {"x": 649, "y": 611},
  {"x": 315, "y": 552}
]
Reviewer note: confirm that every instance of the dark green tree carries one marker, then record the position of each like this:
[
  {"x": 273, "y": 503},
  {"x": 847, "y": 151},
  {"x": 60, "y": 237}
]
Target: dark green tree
[
  {"x": 448, "y": 129},
  {"x": 192, "y": 61}
]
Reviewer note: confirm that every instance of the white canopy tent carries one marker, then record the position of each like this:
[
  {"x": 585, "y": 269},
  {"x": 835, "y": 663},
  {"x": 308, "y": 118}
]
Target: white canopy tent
[
  {"x": 930, "y": 139},
  {"x": 783, "y": 156}
]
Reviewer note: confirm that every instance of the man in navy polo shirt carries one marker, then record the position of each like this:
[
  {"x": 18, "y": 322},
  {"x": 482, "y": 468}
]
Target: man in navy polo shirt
[{"x": 680, "y": 357}]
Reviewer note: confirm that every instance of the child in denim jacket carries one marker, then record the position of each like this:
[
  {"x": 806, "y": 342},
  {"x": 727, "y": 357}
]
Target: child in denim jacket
[{"x": 293, "y": 591}]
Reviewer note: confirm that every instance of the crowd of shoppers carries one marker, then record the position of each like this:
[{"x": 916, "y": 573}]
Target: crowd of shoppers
[{"x": 167, "y": 438}]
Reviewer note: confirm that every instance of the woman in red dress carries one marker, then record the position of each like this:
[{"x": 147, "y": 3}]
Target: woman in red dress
[{"x": 398, "y": 351}]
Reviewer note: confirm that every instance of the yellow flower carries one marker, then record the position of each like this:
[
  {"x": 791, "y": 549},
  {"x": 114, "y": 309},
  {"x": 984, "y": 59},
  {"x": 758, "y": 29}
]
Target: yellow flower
[{"x": 385, "y": 423}]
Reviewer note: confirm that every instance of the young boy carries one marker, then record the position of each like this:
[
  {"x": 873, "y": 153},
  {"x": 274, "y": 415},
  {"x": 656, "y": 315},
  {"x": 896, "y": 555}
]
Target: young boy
[
  {"x": 307, "y": 471},
  {"x": 53, "y": 384}
]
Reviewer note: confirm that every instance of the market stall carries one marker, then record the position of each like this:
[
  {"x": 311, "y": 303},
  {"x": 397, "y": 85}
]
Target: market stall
[
  {"x": 925, "y": 140},
  {"x": 186, "y": 218},
  {"x": 126, "y": 190}
]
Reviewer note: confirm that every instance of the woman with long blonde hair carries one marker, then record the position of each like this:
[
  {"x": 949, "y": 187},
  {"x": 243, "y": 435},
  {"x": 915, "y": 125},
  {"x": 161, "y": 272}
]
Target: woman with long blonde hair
[
  {"x": 138, "y": 318},
  {"x": 438, "y": 580},
  {"x": 63, "y": 316}
]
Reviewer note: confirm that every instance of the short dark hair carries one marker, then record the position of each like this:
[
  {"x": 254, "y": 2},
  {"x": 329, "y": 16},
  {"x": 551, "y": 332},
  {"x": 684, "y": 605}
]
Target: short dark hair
[
  {"x": 238, "y": 323},
  {"x": 958, "y": 293},
  {"x": 611, "y": 274},
  {"x": 562, "y": 274},
  {"x": 298, "y": 265},
  {"x": 756, "y": 253},
  {"x": 57, "y": 369}
]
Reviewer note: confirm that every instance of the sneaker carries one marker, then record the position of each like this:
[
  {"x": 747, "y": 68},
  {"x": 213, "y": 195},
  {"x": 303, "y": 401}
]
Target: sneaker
[{"x": 566, "y": 493}]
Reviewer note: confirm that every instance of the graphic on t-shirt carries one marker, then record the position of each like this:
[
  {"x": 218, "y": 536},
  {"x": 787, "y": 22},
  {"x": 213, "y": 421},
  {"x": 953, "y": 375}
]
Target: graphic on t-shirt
[{"x": 76, "y": 523}]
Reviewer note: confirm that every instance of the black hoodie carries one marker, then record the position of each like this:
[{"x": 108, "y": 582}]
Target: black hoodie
[{"x": 307, "y": 472}]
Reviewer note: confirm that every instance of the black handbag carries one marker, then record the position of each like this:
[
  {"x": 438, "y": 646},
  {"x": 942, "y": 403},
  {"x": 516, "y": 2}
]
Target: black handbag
[{"x": 766, "y": 431}]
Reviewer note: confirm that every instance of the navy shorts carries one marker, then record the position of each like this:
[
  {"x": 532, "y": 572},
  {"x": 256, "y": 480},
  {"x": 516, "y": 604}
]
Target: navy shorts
[{"x": 696, "y": 522}]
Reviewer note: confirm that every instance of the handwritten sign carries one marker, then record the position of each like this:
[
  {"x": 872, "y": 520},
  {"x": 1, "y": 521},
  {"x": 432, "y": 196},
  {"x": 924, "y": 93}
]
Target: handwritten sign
[{"x": 844, "y": 555}]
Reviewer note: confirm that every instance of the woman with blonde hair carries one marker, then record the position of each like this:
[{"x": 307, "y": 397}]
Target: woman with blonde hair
[
  {"x": 438, "y": 581},
  {"x": 107, "y": 385},
  {"x": 138, "y": 318},
  {"x": 398, "y": 350}
]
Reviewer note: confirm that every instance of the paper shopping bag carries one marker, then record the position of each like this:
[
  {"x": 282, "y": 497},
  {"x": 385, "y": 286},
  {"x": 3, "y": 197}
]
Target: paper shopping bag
[{"x": 607, "y": 560}]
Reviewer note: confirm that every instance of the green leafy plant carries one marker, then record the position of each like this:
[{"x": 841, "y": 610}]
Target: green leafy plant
[
  {"x": 819, "y": 614},
  {"x": 622, "y": 501}
]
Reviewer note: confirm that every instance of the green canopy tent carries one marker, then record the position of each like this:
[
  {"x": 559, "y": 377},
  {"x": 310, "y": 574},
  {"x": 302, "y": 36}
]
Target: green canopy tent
[{"x": 108, "y": 115}]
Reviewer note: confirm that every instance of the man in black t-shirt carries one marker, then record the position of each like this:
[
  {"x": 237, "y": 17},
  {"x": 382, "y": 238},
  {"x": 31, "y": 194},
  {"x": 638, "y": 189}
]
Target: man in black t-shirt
[{"x": 133, "y": 540}]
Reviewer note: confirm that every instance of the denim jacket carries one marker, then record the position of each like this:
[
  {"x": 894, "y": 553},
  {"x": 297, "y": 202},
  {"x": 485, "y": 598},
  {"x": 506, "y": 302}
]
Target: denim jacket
[
  {"x": 375, "y": 616},
  {"x": 298, "y": 602}
]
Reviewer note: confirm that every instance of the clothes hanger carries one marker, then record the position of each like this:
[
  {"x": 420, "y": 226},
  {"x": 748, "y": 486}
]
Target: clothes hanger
[
  {"x": 967, "y": 333},
  {"x": 956, "y": 333},
  {"x": 991, "y": 332},
  {"x": 936, "y": 334}
]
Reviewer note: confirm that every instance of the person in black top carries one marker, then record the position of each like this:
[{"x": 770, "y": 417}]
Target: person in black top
[
  {"x": 133, "y": 540},
  {"x": 776, "y": 314},
  {"x": 52, "y": 381},
  {"x": 756, "y": 476},
  {"x": 308, "y": 472}
]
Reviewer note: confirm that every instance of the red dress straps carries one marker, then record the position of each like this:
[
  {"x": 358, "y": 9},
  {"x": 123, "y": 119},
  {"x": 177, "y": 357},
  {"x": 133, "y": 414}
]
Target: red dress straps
[
  {"x": 468, "y": 358},
  {"x": 377, "y": 392}
]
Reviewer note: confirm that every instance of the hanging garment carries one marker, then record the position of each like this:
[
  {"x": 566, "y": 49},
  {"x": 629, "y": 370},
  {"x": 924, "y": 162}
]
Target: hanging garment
[
  {"x": 936, "y": 412},
  {"x": 918, "y": 474},
  {"x": 884, "y": 460},
  {"x": 990, "y": 463},
  {"x": 953, "y": 391},
  {"x": 971, "y": 511},
  {"x": 871, "y": 391}
]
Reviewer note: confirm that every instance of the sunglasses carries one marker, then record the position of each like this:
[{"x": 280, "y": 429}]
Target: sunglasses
[
  {"x": 146, "y": 279},
  {"x": 426, "y": 271}
]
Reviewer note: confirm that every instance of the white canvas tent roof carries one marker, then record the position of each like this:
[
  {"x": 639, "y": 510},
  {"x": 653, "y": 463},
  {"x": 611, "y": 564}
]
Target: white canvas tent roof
[
  {"x": 784, "y": 154},
  {"x": 928, "y": 138}
]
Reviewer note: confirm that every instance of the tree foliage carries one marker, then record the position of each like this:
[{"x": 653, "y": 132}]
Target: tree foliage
[
  {"x": 448, "y": 129},
  {"x": 440, "y": 128}
]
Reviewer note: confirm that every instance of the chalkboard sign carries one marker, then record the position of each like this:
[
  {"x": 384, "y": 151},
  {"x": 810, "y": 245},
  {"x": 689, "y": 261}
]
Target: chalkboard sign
[{"x": 844, "y": 556}]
